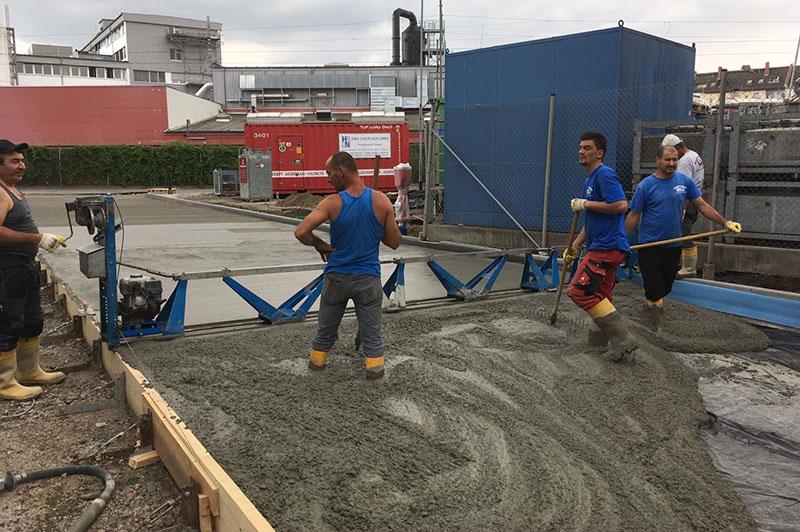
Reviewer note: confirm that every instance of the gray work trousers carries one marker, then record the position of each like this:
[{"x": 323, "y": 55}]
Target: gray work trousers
[{"x": 367, "y": 294}]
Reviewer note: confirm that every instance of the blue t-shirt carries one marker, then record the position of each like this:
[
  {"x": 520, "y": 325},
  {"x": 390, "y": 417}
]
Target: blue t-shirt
[
  {"x": 356, "y": 236},
  {"x": 605, "y": 231},
  {"x": 661, "y": 203}
]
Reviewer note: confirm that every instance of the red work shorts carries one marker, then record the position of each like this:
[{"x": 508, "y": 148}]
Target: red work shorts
[{"x": 594, "y": 280}]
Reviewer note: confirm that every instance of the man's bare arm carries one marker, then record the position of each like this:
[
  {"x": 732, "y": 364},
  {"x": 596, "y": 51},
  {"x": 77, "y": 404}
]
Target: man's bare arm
[{"x": 304, "y": 232}]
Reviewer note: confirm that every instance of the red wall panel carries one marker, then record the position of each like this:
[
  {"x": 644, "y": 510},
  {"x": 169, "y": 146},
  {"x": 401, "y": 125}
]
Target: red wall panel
[{"x": 71, "y": 116}]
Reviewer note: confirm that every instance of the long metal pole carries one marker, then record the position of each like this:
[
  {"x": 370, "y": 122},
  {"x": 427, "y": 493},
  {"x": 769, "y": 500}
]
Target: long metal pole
[
  {"x": 419, "y": 91},
  {"x": 547, "y": 167},
  {"x": 429, "y": 213},
  {"x": 794, "y": 68},
  {"x": 708, "y": 267},
  {"x": 470, "y": 172}
]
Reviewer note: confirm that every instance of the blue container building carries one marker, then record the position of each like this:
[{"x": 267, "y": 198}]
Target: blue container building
[{"x": 497, "y": 102}]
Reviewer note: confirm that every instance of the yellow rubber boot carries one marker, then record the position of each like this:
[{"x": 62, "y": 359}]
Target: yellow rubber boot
[
  {"x": 9, "y": 387},
  {"x": 28, "y": 369},
  {"x": 689, "y": 269},
  {"x": 374, "y": 367},
  {"x": 318, "y": 360}
]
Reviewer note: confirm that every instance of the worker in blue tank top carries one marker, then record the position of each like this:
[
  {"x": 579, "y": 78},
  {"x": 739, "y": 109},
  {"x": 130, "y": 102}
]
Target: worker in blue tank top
[{"x": 360, "y": 219}]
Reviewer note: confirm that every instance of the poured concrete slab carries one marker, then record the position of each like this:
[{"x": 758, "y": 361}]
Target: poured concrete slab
[{"x": 173, "y": 237}]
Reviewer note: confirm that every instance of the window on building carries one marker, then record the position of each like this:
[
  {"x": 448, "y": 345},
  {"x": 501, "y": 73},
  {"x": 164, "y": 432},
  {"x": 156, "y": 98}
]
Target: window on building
[
  {"x": 119, "y": 73},
  {"x": 27, "y": 68},
  {"x": 175, "y": 54},
  {"x": 149, "y": 76},
  {"x": 56, "y": 70},
  {"x": 83, "y": 72},
  {"x": 121, "y": 54},
  {"x": 110, "y": 73},
  {"x": 757, "y": 95},
  {"x": 37, "y": 69}
]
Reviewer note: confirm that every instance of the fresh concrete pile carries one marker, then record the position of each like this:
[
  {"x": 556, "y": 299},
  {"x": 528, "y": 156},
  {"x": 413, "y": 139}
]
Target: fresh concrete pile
[{"x": 487, "y": 419}]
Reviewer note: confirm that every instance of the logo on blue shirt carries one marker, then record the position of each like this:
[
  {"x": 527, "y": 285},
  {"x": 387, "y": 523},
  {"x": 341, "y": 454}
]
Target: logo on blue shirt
[
  {"x": 589, "y": 192},
  {"x": 680, "y": 189}
]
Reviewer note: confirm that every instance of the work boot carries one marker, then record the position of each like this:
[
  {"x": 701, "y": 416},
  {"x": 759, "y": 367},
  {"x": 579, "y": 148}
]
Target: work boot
[
  {"x": 318, "y": 360},
  {"x": 622, "y": 341},
  {"x": 9, "y": 387},
  {"x": 28, "y": 369},
  {"x": 689, "y": 269},
  {"x": 597, "y": 339},
  {"x": 374, "y": 367},
  {"x": 656, "y": 317}
]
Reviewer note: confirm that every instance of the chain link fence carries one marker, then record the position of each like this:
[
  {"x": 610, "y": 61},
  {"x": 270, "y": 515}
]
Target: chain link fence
[{"x": 496, "y": 158}]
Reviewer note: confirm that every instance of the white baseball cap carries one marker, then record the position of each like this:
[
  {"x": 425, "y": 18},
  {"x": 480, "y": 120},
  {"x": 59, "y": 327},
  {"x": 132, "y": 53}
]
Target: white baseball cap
[{"x": 671, "y": 140}]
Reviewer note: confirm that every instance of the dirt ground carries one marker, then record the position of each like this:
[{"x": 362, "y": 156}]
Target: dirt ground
[
  {"x": 488, "y": 419},
  {"x": 43, "y": 439}
]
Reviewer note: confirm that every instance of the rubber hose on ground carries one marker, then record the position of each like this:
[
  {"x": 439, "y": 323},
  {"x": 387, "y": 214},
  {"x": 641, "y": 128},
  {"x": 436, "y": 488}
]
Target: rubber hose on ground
[{"x": 95, "y": 508}]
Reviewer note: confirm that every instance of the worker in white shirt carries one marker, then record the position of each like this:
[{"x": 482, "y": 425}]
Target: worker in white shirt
[{"x": 691, "y": 164}]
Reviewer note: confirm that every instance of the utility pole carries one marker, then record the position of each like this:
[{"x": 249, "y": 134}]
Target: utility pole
[
  {"x": 709, "y": 266},
  {"x": 794, "y": 68}
]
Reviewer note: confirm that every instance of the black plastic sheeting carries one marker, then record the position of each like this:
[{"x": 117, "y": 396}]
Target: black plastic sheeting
[{"x": 753, "y": 435}]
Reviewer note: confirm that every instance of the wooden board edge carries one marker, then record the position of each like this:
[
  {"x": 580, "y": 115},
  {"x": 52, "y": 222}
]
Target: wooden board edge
[
  {"x": 138, "y": 461},
  {"x": 231, "y": 509}
]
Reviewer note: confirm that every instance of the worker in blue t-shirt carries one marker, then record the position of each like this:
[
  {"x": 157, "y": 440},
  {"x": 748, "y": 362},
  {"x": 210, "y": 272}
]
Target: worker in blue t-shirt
[
  {"x": 657, "y": 208},
  {"x": 607, "y": 246}
]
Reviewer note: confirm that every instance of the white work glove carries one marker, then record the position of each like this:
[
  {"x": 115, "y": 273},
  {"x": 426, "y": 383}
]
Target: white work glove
[
  {"x": 50, "y": 242},
  {"x": 577, "y": 204},
  {"x": 735, "y": 227}
]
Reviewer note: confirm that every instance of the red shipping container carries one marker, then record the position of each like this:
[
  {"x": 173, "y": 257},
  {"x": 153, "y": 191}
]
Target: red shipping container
[{"x": 300, "y": 150}]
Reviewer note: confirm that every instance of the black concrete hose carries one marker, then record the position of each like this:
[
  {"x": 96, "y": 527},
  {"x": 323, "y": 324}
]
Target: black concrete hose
[{"x": 95, "y": 508}]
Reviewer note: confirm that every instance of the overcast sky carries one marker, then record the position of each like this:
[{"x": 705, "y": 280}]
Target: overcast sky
[{"x": 313, "y": 32}]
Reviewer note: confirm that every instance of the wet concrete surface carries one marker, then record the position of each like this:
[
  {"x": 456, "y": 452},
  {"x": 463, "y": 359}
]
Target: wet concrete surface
[{"x": 488, "y": 418}]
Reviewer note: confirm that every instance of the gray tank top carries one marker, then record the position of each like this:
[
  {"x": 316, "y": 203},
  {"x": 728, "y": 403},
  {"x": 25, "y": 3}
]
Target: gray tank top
[{"x": 19, "y": 219}]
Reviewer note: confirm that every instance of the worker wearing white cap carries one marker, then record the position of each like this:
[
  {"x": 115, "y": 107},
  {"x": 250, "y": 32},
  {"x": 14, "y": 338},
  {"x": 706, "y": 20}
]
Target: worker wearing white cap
[{"x": 689, "y": 163}]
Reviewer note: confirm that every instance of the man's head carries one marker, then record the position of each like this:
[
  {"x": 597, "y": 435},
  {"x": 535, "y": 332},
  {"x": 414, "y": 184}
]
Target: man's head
[
  {"x": 676, "y": 142},
  {"x": 341, "y": 169},
  {"x": 667, "y": 160},
  {"x": 12, "y": 162},
  {"x": 592, "y": 150}
]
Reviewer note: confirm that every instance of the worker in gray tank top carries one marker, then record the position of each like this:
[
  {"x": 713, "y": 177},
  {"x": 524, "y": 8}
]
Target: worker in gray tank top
[
  {"x": 360, "y": 219},
  {"x": 21, "y": 317}
]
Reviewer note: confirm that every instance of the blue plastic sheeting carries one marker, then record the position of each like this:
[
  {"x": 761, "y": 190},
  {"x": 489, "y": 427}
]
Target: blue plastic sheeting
[
  {"x": 497, "y": 102},
  {"x": 755, "y": 306}
]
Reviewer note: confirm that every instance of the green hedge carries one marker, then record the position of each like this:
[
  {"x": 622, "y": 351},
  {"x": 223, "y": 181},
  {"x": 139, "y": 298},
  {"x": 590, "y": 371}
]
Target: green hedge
[{"x": 128, "y": 166}]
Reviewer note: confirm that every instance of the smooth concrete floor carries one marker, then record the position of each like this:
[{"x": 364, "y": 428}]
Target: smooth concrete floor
[{"x": 171, "y": 237}]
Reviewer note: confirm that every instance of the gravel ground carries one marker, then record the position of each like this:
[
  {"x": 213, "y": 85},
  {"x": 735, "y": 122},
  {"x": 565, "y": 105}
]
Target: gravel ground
[
  {"x": 43, "y": 439},
  {"x": 488, "y": 419}
]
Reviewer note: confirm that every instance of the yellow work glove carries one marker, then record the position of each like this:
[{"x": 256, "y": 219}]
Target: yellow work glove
[
  {"x": 570, "y": 254},
  {"x": 735, "y": 227},
  {"x": 577, "y": 204},
  {"x": 50, "y": 242}
]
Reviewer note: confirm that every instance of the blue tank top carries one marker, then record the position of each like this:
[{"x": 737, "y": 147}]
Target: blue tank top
[{"x": 356, "y": 235}]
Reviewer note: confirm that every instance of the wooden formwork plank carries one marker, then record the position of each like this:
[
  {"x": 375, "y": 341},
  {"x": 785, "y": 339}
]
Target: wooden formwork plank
[
  {"x": 138, "y": 461},
  {"x": 227, "y": 507}
]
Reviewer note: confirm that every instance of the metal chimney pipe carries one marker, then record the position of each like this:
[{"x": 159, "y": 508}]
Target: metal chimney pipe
[{"x": 396, "y": 32}]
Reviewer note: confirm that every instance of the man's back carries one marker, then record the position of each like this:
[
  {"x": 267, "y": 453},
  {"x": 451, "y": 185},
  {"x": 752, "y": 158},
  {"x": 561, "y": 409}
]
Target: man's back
[
  {"x": 691, "y": 164},
  {"x": 355, "y": 235}
]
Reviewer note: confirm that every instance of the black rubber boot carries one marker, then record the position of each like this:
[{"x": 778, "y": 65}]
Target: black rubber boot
[{"x": 657, "y": 318}]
